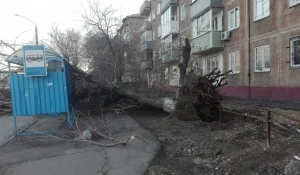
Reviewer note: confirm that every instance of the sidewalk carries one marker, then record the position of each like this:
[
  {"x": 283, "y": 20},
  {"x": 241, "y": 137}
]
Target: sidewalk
[
  {"x": 7, "y": 127},
  {"x": 35, "y": 155},
  {"x": 295, "y": 106}
]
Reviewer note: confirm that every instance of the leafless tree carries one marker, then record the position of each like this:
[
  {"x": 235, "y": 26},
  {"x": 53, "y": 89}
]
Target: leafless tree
[
  {"x": 103, "y": 23},
  {"x": 6, "y": 48},
  {"x": 68, "y": 43}
]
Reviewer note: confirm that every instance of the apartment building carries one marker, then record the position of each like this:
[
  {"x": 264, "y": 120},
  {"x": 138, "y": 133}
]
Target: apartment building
[
  {"x": 259, "y": 40},
  {"x": 207, "y": 26},
  {"x": 262, "y": 48},
  {"x": 162, "y": 56},
  {"x": 130, "y": 33}
]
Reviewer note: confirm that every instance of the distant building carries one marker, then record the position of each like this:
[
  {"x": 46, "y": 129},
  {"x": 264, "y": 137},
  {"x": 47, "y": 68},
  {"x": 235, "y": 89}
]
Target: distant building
[{"x": 130, "y": 32}]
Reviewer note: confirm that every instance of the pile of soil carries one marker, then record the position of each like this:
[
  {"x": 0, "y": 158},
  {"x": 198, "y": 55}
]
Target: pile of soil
[{"x": 237, "y": 146}]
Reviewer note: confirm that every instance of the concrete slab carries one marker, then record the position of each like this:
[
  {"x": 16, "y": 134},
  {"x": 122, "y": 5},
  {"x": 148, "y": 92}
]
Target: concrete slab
[
  {"x": 7, "y": 126},
  {"x": 35, "y": 155}
]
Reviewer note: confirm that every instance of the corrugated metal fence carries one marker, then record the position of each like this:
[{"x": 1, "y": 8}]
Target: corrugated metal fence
[{"x": 39, "y": 95}]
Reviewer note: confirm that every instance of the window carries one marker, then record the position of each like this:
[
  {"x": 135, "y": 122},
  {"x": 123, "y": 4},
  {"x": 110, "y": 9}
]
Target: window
[
  {"x": 234, "y": 62},
  {"x": 294, "y": 2},
  {"x": 158, "y": 31},
  {"x": 211, "y": 64},
  {"x": 153, "y": 15},
  {"x": 261, "y": 9},
  {"x": 295, "y": 52},
  {"x": 201, "y": 25},
  {"x": 234, "y": 18},
  {"x": 166, "y": 17},
  {"x": 173, "y": 13},
  {"x": 158, "y": 8},
  {"x": 262, "y": 58},
  {"x": 215, "y": 23},
  {"x": 153, "y": 35},
  {"x": 183, "y": 12}
]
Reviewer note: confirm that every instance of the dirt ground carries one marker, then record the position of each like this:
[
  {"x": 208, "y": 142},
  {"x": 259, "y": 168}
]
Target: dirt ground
[{"x": 237, "y": 146}]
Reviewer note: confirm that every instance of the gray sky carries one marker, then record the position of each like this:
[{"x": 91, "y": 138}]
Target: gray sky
[{"x": 64, "y": 13}]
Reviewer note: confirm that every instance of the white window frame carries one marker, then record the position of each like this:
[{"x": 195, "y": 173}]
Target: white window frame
[
  {"x": 235, "y": 20},
  {"x": 292, "y": 40},
  {"x": 214, "y": 23},
  {"x": 201, "y": 25},
  {"x": 158, "y": 8},
  {"x": 265, "y": 13},
  {"x": 209, "y": 61},
  {"x": 158, "y": 31},
  {"x": 183, "y": 12},
  {"x": 153, "y": 15},
  {"x": 232, "y": 56},
  {"x": 294, "y": 2},
  {"x": 264, "y": 69}
]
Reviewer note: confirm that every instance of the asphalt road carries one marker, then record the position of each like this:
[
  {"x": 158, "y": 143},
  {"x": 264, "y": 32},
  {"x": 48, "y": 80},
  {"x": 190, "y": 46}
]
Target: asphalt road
[{"x": 35, "y": 155}]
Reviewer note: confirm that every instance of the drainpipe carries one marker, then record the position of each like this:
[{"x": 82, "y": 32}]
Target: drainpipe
[{"x": 249, "y": 51}]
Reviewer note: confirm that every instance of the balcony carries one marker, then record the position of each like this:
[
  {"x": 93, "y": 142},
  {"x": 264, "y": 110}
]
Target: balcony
[
  {"x": 200, "y": 6},
  {"x": 171, "y": 55},
  {"x": 165, "y": 4},
  {"x": 147, "y": 25},
  {"x": 171, "y": 27},
  {"x": 145, "y": 8},
  {"x": 147, "y": 65},
  {"x": 146, "y": 45},
  {"x": 207, "y": 43},
  {"x": 146, "y": 36}
]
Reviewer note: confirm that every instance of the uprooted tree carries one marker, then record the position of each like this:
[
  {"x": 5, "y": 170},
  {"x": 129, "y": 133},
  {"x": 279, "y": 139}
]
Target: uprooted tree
[
  {"x": 103, "y": 24},
  {"x": 199, "y": 97}
]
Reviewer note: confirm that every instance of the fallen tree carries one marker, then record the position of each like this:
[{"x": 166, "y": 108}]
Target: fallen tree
[
  {"x": 199, "y": 97},
  {"x": 167, "y": 104}
]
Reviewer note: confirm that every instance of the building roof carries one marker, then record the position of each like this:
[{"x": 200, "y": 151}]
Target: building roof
[{"x": 133, "y": 16}]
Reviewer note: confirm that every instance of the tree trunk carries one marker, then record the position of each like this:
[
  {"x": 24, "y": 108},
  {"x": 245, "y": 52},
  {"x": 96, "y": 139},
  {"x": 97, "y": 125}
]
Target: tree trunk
[
  {"x": 186, "y": 52},
  {"x": 167, "y": 104}
]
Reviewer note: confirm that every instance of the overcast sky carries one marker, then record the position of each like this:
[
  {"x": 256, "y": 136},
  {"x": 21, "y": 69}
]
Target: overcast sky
[{"x": 64, "y": 13}]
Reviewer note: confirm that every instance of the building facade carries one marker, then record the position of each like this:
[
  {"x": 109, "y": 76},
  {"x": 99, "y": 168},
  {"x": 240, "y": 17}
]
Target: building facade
[
  {"x": 257, "y": 39},
  {"x": 130, "y": 34},
  {"x": 263, "y": 49}
]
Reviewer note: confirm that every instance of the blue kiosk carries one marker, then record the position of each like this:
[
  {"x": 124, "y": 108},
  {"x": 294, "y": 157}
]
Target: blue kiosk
[{"x": 42, "y": 84}]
